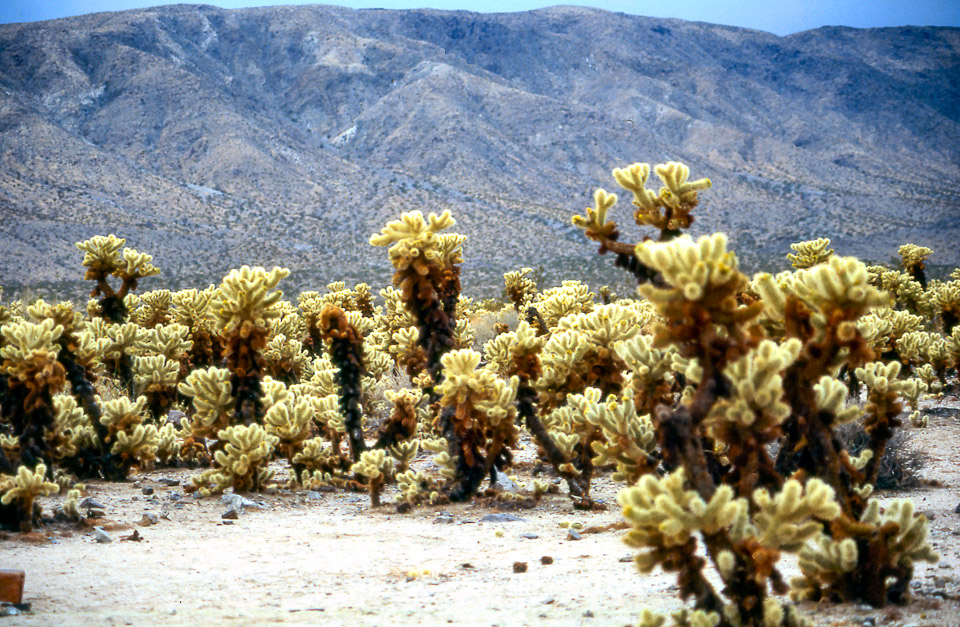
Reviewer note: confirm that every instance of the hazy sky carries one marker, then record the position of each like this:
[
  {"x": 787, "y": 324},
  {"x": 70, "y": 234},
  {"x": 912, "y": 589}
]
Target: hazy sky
[{"x": 777, "y": 16}]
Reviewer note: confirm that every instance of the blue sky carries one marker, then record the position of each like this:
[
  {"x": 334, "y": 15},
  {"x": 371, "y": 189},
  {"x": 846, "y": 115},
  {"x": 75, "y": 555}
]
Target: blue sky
[{"x": 776, "y": 16}]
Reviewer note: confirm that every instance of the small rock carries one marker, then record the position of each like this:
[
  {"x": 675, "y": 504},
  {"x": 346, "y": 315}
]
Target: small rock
[
  {"x": 504, "y": 484},
  {"x": 625, "y": 560},
  {"x": 169, "y": 482},
  {"x": 230, "y": 514},
  {"x": 529, "y": 536},
  {"x": 235, "y": 501},
  {"x": 573, "y": 535},
  {"x": 7, "y": 609},
  {"x": 500, "y": 518},
  {"x": 95, "y": 513},
  {"x": 466, "y": 566},
  {"x": 148, "y": 519},
  {"x": 519, "y": 567},
  {"x": 588, "y": 614},
  {"x": 147, "y": 490},
  {"x": 227, "y": 522},
  {"x": 929, "y": 513},
  {"x": 549, "y": 601},
  {"x": 174, "y": 496},
  {"x": 869, "y": 622},
  {"x": 944, "y": 565},
  {"x": 443, "y": 519},
  {"x": 326, "y": 488},
  {"x": 101, "y": 535},
  {"x": 957, "y": 509},
  {"x": 313, "y": 495},
  {"x": 174, "y": 417},
  {"x": 133, "y": 537},
  {"x": 89, "y": 503},
  {"x": 546, "y": 559}
]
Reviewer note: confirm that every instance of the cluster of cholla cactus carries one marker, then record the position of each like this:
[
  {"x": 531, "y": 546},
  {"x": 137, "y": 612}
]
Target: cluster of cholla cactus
[
  {"x": 731, "y": 365},
  {"x": 714, "y": 397}
]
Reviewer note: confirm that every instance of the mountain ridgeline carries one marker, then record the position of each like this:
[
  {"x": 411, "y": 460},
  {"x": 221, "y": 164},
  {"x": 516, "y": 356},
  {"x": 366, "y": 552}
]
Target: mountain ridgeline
[{"x": 287, "y": 135}]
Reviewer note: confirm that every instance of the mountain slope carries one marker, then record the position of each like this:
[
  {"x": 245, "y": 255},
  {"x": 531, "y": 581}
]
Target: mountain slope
[{"x": 287, "y": 135}]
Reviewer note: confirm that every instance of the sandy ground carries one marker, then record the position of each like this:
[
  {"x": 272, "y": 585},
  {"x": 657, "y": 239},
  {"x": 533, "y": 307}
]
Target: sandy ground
[{"x": 331, "y": 559}]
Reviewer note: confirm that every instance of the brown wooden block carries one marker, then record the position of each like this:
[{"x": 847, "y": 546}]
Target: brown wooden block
[{"x": 11, "y": 585}]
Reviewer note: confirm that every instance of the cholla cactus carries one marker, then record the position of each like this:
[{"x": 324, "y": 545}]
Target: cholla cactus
[
  {"x": 669, "y": 210},
  {"x": 428, "y": 275},
  {"x": 242, "y": 309},
  {"x": 912, "y": 257},
  {"x": 156, "y": 377},
  {"x": 946, "y": 302},
  {"x": 810, "y": 253},
  {"x": 241, "y": 463},
  {"x": 376, "y": 467},
  {"x": 520, "y": 288},
  {"x": 103, "y": 258},
  {"x": 346, "y": 352},
  {"x": 191, "y": 308},
  {"x": 29, "y": 361},
  {"x": 482, "y": 417},
  {"x": 285, "y": 359},
  {"x": 556, "y": 303},
  {"x": 402, "y": 423},
  {"x": 18, "y": 494},
  {"x": 667, "y": 518},
  {"x": 629, "y": 440},
  {"x": 290, "y": 421},
  {"x": 131, "y": 441},
  {"x": 829, "y": 565},
  {"x": 213, "y": 407},
  {"x": 154, "y": 309}
]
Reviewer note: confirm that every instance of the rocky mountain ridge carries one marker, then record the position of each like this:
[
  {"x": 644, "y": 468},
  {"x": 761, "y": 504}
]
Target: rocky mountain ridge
[{"x": 287, "y": 135}]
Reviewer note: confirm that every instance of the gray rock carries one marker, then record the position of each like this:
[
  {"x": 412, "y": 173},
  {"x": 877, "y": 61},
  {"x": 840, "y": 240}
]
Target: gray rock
[
  {"x": 7, "y": 609},
  {"x": 235, "y": 501},
  {"x": 499, "y": 518},
  {"x": 573, "y": 534},
  {"x": 313, "y": 495},
  {"x": 529, "y": 536},
  {"x": 89, "y": 503},
  {"x": 230, "y": 514},
  {"x": 169, "y": 482},
  {"x": 504, "y": 484},
  {"x": 443, "y": 519},
  {"x": 174, "y": 417},
  {"x": 149, "y": 518},
  {"x": 101, "y": 535},
  {"x": 147, "y": 490}
]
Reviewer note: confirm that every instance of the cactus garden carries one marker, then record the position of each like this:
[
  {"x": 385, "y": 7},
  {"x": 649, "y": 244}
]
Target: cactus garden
[{"x": 710, "y": 448}]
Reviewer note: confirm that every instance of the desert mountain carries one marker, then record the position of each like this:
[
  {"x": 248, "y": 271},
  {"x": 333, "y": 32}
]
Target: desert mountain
[{"x": 287, "y": 135}]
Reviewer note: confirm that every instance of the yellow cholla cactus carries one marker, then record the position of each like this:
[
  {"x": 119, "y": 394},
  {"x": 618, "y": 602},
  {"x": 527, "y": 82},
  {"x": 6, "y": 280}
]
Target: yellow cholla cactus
[
  {"x": 155, "y": 374},
  {"x": 755, "y": 405},
  {"x": 154, "y": 308},
  {"x": 245, "y": 299},
  {"x": 138, "y": 444},
  {"x": 831, "y": 397},
  {"x": 630, "y": 440},
  {"x": 102, "y": 257},
  {"x": 414, "y": 241},
  {"x": 290, "y": 422},
  {"x": 376, "y": 467},
  {"x": 241, "y": 463},
  {"x": 665, "y": 514},
  {"x": 651, "y": 370},
  {"x": 169, "y": 340},
  {"x": 570, "y": 297},
  {"x": 691, "y": 268},
  {"x": 789, "y": 518},
  {"x": 122, "y": 414},
  {"x": 520, "y": 288},
  {"x": 23, "y": 488},
  {"x": 30, "y": 350},
  {"x": 913, "y": 257},
  {"x": 210, "y": 390},
  {"x": 810, "y": 253}
]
